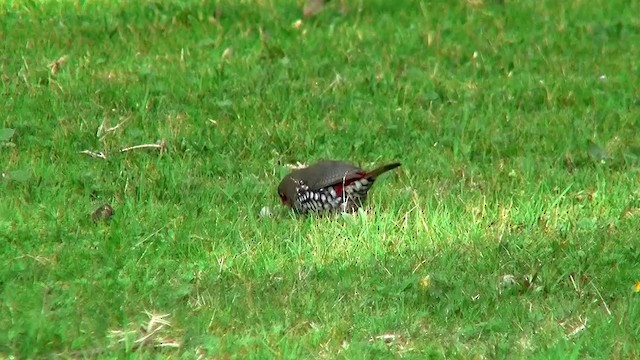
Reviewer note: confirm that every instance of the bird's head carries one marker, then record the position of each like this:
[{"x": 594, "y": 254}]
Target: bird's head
[
  {"x": 284, "y": 198},
  {"x": 287, "y": 191}
]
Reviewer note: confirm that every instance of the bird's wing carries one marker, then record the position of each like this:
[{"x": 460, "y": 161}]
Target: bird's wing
[{"x": 328, "y": 172}]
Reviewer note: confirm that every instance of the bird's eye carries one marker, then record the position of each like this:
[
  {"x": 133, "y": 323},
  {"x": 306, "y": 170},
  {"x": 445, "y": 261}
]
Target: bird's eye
[{"x": 283, "y": 197}]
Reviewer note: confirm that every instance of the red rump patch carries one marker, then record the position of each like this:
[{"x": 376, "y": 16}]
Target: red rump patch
[{"x": 339, "y": 186}]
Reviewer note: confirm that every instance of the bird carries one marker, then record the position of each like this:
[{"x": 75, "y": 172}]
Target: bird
[{"x": 328, "y": 186}]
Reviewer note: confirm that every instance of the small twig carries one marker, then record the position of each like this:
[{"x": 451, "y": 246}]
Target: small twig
[
  {"x": 143, "y": 335},
  {"x": 121, "y": 335},
  {"x": 149, "y": 237},
  {"x": 418, "y": 266},
  {"x": 56, "y": 65},
  {"x": 103, "y": 131},
  {"x": 386, "y": 338},
  {"x": 579, "y": 328},
  {"x": 145, "y": 240},
  {"x": 155, "y": 324},
  {"x": 141, "y": 341},
  {"x": 161, "y": 145},
  {"x": 575, "y": 286},
  {"x": 42, "y": 260},
  {"x": 606, "y": 307},
  {"x": 168, "y": 343},
  {"x": 93, "y": 154}
]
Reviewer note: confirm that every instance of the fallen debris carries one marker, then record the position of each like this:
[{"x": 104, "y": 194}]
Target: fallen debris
[
  {"x": 103, "y": 213},
  {"x": 56, "y": 65},
  {"x": 161, "y": 145},
  {"x": 104, "y": 129},
  {"x": 386, "y": 338},
  {"x": 265, "y": 212},
  {"x": 93, "y": 154},
  {"x": 148, "y": 335}
]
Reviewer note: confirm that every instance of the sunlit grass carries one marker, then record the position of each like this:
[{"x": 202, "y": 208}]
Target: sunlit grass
[{"x": 508, "y": 232}]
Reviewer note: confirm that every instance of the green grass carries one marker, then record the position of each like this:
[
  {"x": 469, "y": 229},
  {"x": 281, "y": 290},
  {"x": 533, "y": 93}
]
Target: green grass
[{"x": 489, "y": 108}]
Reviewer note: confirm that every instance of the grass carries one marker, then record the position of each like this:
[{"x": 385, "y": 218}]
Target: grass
[{"x": 509, "y": 232}]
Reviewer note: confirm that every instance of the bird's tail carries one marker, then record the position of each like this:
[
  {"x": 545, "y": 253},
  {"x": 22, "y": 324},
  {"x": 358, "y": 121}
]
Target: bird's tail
[{"x": 382, "y": 169}]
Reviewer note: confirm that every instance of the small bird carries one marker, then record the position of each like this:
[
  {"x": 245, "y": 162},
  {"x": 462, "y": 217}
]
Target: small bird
[{"x": 328, "y": 186}]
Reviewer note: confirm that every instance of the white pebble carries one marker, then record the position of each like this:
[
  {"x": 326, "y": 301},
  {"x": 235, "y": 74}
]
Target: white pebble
[{"x": 265, "y": 212}]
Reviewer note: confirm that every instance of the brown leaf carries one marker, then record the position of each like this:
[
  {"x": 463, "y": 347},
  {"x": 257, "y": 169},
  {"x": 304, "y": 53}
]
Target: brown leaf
[{"x": 103, "y": 213}]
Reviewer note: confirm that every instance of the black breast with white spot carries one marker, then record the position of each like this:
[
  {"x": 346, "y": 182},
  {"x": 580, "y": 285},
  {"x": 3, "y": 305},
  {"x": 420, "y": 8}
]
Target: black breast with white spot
[
  {"x": 331, "y": 197},
  {"x": 359, "y": 188},
  {"x": 317, "y": 200}
]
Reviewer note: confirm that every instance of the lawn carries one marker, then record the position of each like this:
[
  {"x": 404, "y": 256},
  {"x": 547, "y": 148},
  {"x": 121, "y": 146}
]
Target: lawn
[{"x": 510, "y": 231}]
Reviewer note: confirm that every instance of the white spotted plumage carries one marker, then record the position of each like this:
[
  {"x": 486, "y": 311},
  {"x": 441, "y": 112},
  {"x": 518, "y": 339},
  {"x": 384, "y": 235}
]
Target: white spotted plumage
[
  {"x": 328, "y": 186},
  {"x": 329, "y": 198}
]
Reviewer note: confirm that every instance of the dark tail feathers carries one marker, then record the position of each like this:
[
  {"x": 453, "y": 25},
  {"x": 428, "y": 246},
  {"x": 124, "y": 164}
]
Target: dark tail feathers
[{"x": 382, "y": 169}]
